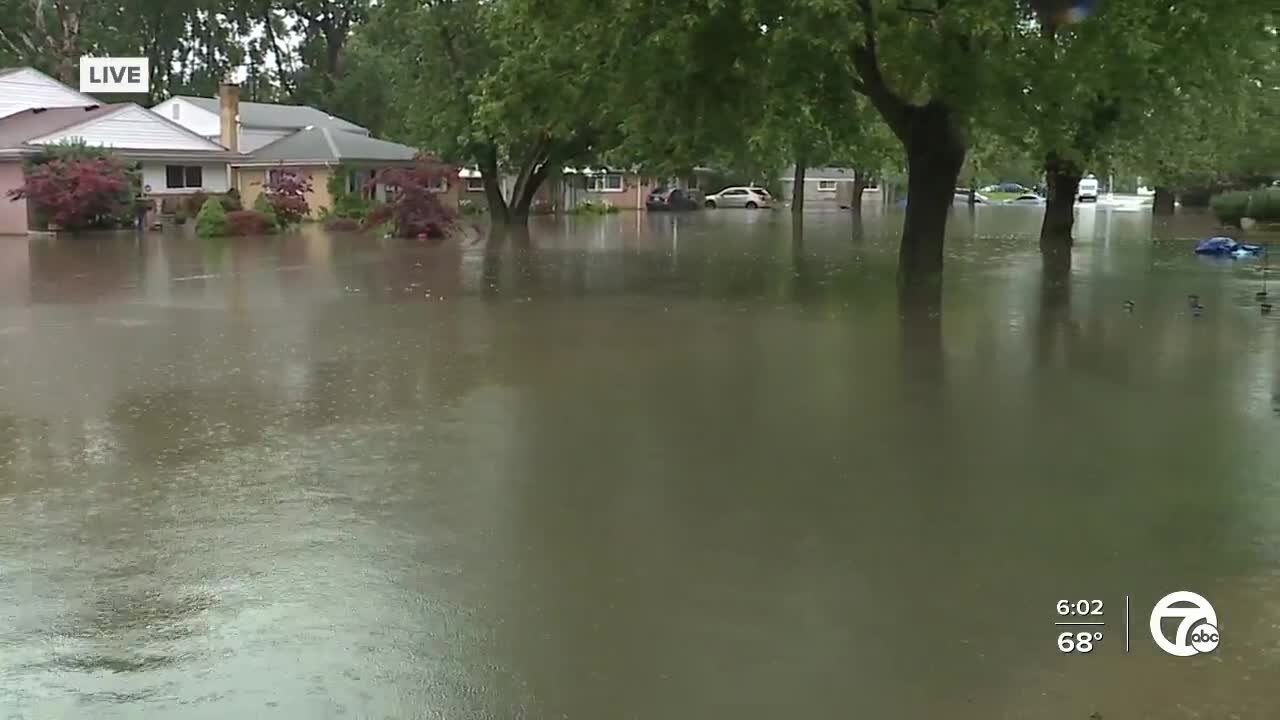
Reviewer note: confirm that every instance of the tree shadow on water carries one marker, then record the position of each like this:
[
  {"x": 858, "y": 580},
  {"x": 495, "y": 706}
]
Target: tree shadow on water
[{"x": 920, "y": 325}]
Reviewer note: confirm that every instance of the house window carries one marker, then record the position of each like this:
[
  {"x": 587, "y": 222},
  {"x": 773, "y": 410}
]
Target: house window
[
  {"x": 475, "y": 184},
  {"x": 826, "y": 186},
  {"x": 183, "y": 176},
  {"x": 440, "y": 184},
  {"x": 693, "y": 183},
  {"x": 604, "y": 183}
]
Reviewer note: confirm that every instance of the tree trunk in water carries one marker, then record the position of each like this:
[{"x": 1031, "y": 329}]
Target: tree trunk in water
[
  {"x": 797, "y": 187},
  {"x": 860, "y": 182},
  {"x": 1164, "y": 201},
  {"x": 935, "y": 152},
  {"x": 1063, "y": 179},
  {"x": 489, "y": 175},
  {"x": 525, "y": 191}
]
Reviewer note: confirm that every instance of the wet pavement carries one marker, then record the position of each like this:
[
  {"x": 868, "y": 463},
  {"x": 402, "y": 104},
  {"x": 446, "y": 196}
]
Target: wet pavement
[{"x": 644, "y": 467}]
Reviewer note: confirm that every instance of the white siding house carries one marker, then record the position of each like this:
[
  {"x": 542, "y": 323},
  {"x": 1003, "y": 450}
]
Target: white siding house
[{"x": 26, "y": 88}]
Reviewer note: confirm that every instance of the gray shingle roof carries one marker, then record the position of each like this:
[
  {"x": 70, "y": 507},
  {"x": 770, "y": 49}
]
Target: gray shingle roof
[
  {"x": 322, "y": 145},
  {"x": 20, "y": 127},
  {"x": 271, "y": 115}
]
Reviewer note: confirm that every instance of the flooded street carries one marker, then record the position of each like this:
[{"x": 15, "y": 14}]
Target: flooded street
[{"x": 648, "y": 467}]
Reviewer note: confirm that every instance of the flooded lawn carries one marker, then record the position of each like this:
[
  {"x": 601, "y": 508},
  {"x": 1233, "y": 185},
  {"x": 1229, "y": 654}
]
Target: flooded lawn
[{"x": 648, "y": 467}]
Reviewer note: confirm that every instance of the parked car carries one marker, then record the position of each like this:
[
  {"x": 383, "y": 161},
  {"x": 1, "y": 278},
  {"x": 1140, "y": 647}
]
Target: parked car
[
  {"x": 740, "y": 197},
  {"x": 962, "y": 198},
  {"x": 1006, "y": 187},
  {"x": 1088, "y": 190},
  {"x": 1026, "y": 199},
  {"x": 674, "y": 199}
]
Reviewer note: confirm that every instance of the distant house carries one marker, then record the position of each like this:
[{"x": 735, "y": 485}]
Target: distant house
[
  {"x": 823, "y": 186},
  {"x": 172, "y": 160},
  {"x": 257, "y": 123},
  {"x": 623, "y": 189}
]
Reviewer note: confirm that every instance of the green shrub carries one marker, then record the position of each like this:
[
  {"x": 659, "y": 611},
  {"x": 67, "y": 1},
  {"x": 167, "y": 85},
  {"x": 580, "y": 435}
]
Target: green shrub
[
  {"x": 1264, "y": 204},
  {"x": 1230, "y": 207},
  {"x": 231, "y": 201},
  {"x": 211, "y": 221},
  {"x": 262, "y": 205}
]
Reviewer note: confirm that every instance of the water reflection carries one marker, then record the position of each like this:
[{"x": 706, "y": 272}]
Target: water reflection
[{"x": 665, "y": 463}]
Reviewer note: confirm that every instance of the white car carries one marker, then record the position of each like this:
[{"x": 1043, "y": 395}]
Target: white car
[
  {"x": 740, "y": 197},
  {"x": 1026, "y": 199},
  {"x": 1088, "y": 190}
]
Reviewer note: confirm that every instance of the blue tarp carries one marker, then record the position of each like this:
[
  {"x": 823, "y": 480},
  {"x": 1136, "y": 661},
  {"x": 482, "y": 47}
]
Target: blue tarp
[{"x": 1224, "y": 246}]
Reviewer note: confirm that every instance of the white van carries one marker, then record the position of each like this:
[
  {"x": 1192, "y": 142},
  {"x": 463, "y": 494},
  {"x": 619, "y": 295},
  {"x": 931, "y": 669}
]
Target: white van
[{"x": 1088, "y": 190}]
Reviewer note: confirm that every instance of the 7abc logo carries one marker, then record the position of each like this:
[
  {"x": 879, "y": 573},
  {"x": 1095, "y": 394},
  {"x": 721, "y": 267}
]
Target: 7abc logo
[{"x": 1197, "y": 627}]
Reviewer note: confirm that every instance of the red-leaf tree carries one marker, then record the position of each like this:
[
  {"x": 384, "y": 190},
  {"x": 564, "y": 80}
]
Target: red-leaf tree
[
  {"x": 79, "y": 193},
  {"x": 287, "y": 193},
  {"x": 414, "y": 207}
]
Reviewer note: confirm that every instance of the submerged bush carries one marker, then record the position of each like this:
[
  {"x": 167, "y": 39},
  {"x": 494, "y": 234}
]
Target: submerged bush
[
  {"x": 264, "y": 207},
  {"x": 1262, "y": 204},
  {"x": 287, "y": 193},
  {"x": 1230, "y": 207},
  {"x": 413, "y": 207},
  {"x": 94, "y": 191},
  {"x": 249, "y": 222},
  {"x": 211, "y": 221}
]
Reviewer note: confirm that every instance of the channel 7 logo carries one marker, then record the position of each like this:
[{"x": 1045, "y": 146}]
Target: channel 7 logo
[{"x": 1197, "y": 627}]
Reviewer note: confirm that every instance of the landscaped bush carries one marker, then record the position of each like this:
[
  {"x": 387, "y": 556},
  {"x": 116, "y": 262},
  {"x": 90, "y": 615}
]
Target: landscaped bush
[
  {"x": 248, "y": 222},
  {"x": 264, "y": 207},
  {"x": 345, "y": 203},
  {"x": 413, "y": 208},
  {"x": 79, "y": 192},
  {"x": 211, "y": 221},
  {"x": 1262, "y": 204},
  {"x": 287, "y": 193},
  {"x": 1230, "y": 207}
]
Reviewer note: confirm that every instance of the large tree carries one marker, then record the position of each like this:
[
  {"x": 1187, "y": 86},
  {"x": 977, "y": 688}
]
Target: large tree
[
  {"x": 510, "y": 88},
  {"x": 1153, "y": 83}
]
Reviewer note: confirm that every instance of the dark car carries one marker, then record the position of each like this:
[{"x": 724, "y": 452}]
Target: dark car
[{"x": 674, "y": 199}]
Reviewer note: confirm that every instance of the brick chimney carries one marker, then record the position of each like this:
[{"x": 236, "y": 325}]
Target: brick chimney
[{"x": 229, "y": 116}]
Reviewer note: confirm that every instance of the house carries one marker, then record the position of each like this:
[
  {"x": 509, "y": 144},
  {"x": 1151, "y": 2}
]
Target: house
[
  {"x": 267, "y": 138},
  {"x": 172, "y": 160},
  {"x": 623, "y": 189},
  {"x": 257, "y": 124},
  {"x": 823, "y": 186},
  {"x": 318, "y": 153}
]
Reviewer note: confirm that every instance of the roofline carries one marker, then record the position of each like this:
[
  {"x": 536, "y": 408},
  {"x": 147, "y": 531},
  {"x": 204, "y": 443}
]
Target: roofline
[
  {"x": 256, "y": 126},
  {"x": 314, "y": 162},
  {"x": 91, "y": 100},
  {"x": 123, "y": 107}
]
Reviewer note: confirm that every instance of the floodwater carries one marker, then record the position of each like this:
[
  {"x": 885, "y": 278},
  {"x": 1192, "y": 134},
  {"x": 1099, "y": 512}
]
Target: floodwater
[{"x": 646, "y": 467}]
